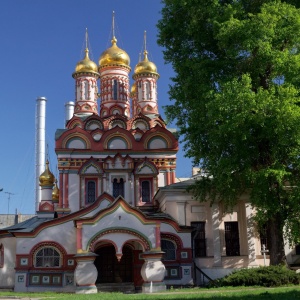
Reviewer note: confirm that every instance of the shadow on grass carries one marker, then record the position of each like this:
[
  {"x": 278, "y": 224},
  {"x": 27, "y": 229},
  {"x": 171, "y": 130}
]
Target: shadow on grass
[
  {"x": 222, "y": 295},
  {"x": 268, "y": 295}
]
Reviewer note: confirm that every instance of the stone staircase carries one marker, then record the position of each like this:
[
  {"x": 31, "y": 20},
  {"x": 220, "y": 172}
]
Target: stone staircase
[{"x": 123, "y": 287}]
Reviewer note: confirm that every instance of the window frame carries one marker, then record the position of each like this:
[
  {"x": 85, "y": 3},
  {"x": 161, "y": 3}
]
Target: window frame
[
  {"x": 118, "y": 181},
  {"x": 86, "y": 189},
  {"x": 115, "y": 92},
  {"x": 48, "y": 257},
  {"x": 150, "y": 181},
  {"x": 167, "y": 255},
  {"x": 232, "y": 238},
  {"x": 263, "y": 237},
  {"x": 199, "y": 248}
]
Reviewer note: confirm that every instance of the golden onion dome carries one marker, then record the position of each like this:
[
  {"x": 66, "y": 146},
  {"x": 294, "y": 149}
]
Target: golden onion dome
[
  {"x": 47, "y": 178},
  {"x": 145, "y": 66},
  {"x": 114, "y": 56},
  {"x": 55, "y": 192},
  {"x": 86, "y": 65}
]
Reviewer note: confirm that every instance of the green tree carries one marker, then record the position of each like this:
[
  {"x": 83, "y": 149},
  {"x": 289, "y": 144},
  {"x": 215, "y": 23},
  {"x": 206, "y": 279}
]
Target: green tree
[{"x": 236, "y": 103}]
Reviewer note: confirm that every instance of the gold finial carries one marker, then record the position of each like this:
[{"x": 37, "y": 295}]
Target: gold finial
[
  {"x": 86, "y": 38},
  {"x": 86, "y": 44},
  {"x": 113, "y": 24},
  {"x": 145, "y": 39},
  {"x": 114, "y": 40},
  {"x": 145, "y": 47}
]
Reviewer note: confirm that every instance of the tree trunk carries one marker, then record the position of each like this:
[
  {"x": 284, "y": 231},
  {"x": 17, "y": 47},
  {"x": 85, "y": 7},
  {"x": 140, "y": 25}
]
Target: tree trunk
[{"x": 275, "y": 240}]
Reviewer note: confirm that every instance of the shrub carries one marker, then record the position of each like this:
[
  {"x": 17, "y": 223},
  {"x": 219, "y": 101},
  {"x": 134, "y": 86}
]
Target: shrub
[{"x": 262, "y": 276}]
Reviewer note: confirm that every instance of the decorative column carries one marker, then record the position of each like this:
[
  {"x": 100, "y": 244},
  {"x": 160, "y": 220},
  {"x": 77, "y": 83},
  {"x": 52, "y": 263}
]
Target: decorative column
[
  {"x": 250, "y": 235},
  {"x": 153, "y": 272},
  {"x": 86, "y": 273},
  {"x": 61, "y": 191},
  {"x": 66, "y": 190},
  {"x": 157, "y": 236},
  {"x": 216, "y": 235}
]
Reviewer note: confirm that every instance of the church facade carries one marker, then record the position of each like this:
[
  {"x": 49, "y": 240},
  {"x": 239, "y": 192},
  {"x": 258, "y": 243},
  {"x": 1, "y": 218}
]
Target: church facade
[{"x": 117, "y": 214}]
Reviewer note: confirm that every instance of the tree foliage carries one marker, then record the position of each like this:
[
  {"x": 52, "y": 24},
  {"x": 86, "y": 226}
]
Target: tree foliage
[{"x": 236, "y": 102}]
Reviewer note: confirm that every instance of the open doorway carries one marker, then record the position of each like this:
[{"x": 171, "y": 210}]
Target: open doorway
[{"x": 110, "y": 269}]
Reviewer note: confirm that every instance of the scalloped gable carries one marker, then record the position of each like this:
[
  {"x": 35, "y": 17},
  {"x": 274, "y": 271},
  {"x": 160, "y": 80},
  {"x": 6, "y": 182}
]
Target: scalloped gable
[
  {"x": 93, "y": 125},
  {"x": 74, "y": 122},
  {"x": 146, "y": 167},
  {"x": 90, "y": 167},
  {"x": 74, "y": 134}
]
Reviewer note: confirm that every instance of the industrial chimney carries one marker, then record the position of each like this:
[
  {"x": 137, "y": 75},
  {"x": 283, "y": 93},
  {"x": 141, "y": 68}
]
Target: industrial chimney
[
  {"x": 40, "y": 145},
  {"x": 69, "y": 111}
]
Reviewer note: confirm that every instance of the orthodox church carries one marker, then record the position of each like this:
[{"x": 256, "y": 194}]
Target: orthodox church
[{"x": 117, "y": 215}]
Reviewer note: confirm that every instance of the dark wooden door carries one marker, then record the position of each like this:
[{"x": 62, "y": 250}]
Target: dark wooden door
[{"x": 109, "y": 269}]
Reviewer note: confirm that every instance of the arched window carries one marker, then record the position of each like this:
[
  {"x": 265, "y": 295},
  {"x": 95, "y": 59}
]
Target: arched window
[
  {"x": 147, "y": 90},
  {"x": 115, "y": 89},
  {"x": 145, "y": 191},
  {"x": 118, "y": 187},
  {"x": 169, "y": 248},
  {"x": 90, "y": 193},
  {"x": 47, "y": 257},
  {"x": 86, "y": 90}
]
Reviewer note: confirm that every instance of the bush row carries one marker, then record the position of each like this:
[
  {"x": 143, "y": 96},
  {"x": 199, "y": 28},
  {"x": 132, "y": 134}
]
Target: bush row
[{"x": 262, "y": 276}]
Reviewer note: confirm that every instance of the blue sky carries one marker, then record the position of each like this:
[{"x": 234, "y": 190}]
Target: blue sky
[{"x": 41, "y": 42}]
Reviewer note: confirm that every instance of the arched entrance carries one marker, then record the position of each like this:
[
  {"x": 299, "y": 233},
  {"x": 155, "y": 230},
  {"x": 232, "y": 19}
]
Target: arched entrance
[{"x": 110, "y": 269}]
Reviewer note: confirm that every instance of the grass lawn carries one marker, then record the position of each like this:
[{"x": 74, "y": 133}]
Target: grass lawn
[{"x": 241, "y": 293}]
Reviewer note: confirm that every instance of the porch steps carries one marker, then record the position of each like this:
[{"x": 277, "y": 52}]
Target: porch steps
[{"x": 123, "y": 287}]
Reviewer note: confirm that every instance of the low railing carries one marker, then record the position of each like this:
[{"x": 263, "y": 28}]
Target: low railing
[{"x": 203, "y": 276}]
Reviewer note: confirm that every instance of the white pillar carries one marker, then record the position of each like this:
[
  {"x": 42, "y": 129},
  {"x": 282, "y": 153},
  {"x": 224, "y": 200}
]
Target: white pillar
[
  {"x": 40, "y": 145},
  {"x": 250, "y": 235},
  {"x": 216, "y": 234}
]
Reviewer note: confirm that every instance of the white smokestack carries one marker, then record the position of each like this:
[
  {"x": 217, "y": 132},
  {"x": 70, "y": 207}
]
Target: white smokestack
[
  {"x": 69, "y": 110},
  {"x": 40, "y": 145}
]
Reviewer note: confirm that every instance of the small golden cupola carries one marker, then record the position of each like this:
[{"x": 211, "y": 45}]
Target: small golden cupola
[
  {"x": 55, "y": 192},
  {"x": 47, "y": 178},
  {"x": 86, "y": 88},
  {"x": 114, "y": 56},
  {"x": 86, "y": 65},
  {"x": 145, "y": 80},
  {"x": 145, "y": 66}
]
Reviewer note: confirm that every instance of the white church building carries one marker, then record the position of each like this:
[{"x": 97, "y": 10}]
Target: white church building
[{"x": 117, "y": 215}]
